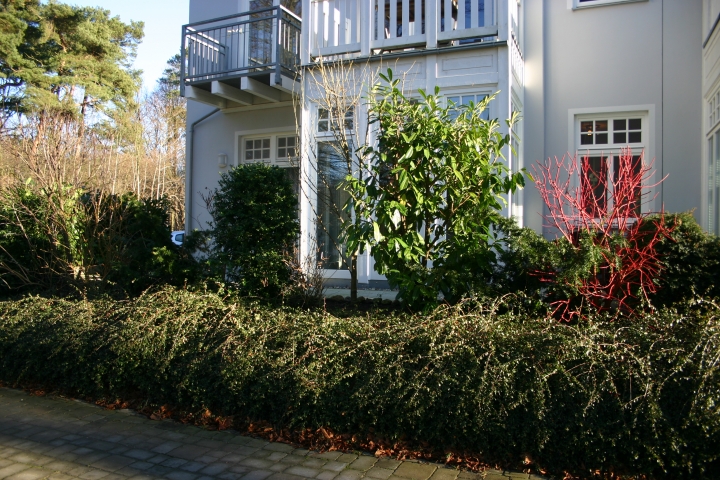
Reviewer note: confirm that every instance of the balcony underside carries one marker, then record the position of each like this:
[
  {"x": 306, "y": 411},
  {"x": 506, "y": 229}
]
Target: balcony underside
[{"x": 231, "y": 91}]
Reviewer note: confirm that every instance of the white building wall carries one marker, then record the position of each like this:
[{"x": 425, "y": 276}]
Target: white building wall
[
  {"x": 710, "y": 129},
  {"x": 642, "y": 56}
]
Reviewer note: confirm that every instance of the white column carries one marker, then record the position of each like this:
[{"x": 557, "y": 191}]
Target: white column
[{"x": 432, "y": 23}]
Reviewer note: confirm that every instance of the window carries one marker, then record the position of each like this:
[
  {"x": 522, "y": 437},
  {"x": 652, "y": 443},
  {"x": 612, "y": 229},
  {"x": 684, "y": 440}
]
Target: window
[
  {"x": 287, "y": 147},
  {"x": 609, "y": 153},
  {"x": 257, "y": 150},
  {"x": 602, "y": 174},
  {"x": 625, "y": 131},
  {"x": 713, "y": 183},
  {"x": 280, "y": 150},
  {"x": 598, "y": 3},
  {"x": 331, "y": 172},
  {"x": 467, "y": 100},
  {"x": 327, "y": 122}
]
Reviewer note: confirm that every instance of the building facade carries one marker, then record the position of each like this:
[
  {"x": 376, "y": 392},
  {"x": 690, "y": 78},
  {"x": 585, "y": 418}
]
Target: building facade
[{"x": 585, "y": 76}]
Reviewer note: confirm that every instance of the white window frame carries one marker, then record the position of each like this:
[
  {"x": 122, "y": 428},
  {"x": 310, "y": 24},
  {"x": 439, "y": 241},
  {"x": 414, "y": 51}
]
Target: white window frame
[
  {"x": 318, "y": 137},
  {"x": 578, "y": 5},
  {"x": 273, "y": 135},
  {"x": 711, "y": 164},
  {"x": 644, "y": 112},
  {"x": 477, "y": 93}
]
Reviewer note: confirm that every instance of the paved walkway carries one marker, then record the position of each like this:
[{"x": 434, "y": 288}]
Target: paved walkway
[{"x": 61, "y": 439}]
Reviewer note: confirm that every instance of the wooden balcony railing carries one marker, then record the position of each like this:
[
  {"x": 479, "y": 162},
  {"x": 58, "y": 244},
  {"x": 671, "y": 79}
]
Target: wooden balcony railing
[{"x": 338, "y": 27}]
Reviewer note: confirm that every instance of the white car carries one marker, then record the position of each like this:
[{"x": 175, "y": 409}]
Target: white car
[{"x": 177, "y": 237}]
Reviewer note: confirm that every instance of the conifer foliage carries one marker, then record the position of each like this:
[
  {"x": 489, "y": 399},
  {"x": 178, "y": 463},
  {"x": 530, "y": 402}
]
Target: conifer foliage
[{"x": 55, "y": 56}]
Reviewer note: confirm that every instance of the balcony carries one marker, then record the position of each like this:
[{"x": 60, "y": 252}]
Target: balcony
[
  {"x": 340, "y": 27},
  {"x": 255, "y": 57},
  {"x": 242, "y": 59}
]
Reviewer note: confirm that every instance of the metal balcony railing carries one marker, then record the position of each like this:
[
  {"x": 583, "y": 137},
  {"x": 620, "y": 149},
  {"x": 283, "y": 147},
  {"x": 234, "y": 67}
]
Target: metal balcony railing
[{"x": 261, "y": 41}]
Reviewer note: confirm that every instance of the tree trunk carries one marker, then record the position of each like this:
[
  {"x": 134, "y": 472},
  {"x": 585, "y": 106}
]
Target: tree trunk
[{"x": 353, "y": 277}]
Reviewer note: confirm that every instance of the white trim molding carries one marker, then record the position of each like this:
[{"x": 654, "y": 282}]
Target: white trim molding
[
  {"x": 579, "y": 5},
  {"x": 649, "y": 139}
]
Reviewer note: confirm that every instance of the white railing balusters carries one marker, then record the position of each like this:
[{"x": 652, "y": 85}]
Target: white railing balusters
[
  {"x": 392, "y": 28},
  {"x": 406, "y": 19},
  {"x": 474, "y": 13},
  {"x": 332, "y": 24},
  {"x": 448, "y": 20},
  {"x": 336, "y": 27},
  {"x": 461, "y": 14},
  {"x": 419, "y": 4}
]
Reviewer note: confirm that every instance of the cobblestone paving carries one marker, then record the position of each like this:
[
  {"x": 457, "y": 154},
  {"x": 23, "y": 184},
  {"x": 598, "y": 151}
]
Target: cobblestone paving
[{"x": 61, "y": 439}]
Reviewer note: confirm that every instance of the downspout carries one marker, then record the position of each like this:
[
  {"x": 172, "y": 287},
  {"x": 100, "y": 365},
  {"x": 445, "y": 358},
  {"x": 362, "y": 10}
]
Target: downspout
[{"x": 189, "y": 168}]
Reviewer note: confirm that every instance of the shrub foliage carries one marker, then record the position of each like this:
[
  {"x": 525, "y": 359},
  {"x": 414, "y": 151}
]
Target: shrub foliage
[
  {"x": 435, "y": 184},
  {"x": 255, "y": 225},
  {"x": 622, "y": 396},
  {"x": 61, "y": 236}
]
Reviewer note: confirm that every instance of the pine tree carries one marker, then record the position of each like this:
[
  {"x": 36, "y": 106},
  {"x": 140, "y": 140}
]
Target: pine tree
[{"x": 58, "y": 57}]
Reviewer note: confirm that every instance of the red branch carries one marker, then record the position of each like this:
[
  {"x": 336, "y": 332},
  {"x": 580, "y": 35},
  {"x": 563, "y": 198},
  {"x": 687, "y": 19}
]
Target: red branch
[{"x": 584, "y": 201}]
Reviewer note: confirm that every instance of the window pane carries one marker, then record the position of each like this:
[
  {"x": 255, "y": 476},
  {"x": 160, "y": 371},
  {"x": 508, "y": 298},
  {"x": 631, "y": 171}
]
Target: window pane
[
  {"x": 619, "y": 137},
  {"x": 258, "y": 144},
  {"x": 281, "y": 142},
  {"x": 265, "y": 154},
  {"x": 323, "y": 126},
  {"x": 620, "y": 124},
  {"x": 331, "y": 198},
  {"x": 455, "y": 100},
  {"x": 266, "y": 143},
  {"x": 586, "y": 129},
  {"x": 593, "y": 183},
  {"x": 711, "y": 187},
  {"x": 291, "y": 141},
  {"x": 625, "y": 170},
  {"x": 601, "y": 138},
  {"x": 322, "y": 113},
  {"x": 248, "y": 145},
  {"x": 717, "y": 183},
  {"x": 601, "y": 125},
  {"x": 249, "y": 155},
  {"x": 282, "y": 153},
  {"x": 467, "y": 99},
  {"x": 634, "y": 124},
  {"x": 634, "y": 137}
]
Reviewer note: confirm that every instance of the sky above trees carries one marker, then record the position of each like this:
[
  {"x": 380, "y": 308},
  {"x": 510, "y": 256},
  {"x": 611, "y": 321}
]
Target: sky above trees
[{"x": 163, "y": 21}]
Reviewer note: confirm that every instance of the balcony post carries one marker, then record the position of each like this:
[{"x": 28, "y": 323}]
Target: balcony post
[
  {"x": 305, "y": 32},
  {"x": 366, "y": 26},
  {"x": 503, "y": 19},
  {"x": 183, "y": 59},
  {"x": 277, "y": 44},
  {"x": 432, "y": 25}
]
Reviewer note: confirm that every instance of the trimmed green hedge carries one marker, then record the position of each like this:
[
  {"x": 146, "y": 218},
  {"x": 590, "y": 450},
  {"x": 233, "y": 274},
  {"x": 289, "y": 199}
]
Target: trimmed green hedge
[{"x": 623, "y": 396}]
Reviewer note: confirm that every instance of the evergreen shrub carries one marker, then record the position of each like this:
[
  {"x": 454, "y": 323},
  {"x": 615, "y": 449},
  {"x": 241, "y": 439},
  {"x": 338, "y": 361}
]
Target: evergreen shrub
[
  {"x": 628, "y": 396},
  {"x": 64, "y": 238},
  {"x": 254, "y": 229}
]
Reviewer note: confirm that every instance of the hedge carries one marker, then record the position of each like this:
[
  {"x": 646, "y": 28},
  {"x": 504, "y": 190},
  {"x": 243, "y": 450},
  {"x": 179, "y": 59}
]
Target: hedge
[{"x": 625, "y": 396}]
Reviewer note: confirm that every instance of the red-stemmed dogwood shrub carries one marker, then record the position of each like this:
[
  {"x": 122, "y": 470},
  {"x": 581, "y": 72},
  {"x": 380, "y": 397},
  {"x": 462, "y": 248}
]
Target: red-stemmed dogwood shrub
[{"x": 595, "y": 205}]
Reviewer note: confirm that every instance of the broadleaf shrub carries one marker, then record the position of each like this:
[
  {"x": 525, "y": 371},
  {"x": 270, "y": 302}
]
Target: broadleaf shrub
[
  {"x": 436, "y": 181},
  {"x": 629, "y": 396},
  {"x": 254, "y": 227},
  {"x": 63, "y": 237}
]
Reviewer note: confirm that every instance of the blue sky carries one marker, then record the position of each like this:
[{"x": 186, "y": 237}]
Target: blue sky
[{"x": 163, "y": 20}]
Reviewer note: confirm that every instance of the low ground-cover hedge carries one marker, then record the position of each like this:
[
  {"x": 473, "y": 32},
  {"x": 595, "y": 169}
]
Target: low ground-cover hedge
[{"x": 636, "y": 396}]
